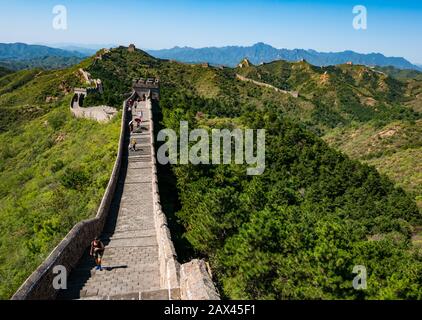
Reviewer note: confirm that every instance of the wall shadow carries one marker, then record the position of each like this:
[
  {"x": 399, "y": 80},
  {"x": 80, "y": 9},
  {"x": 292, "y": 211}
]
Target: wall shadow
[{"x": 169, "y": 197}]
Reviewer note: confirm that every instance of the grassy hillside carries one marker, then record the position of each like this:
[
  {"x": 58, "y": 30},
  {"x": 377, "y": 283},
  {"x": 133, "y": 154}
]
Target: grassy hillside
[
  {"x": 297, "y": 230},
  {"x": 395, "y": 150},
  {"x": 4, "y": 71},
  {"x": 401, "y": 74},
  {"x": 28, "y": 94},
  {"x": 413, "y": 95},
  {"x": 18, "y": 56},
  {"x": 340, "y": 95},
  {"x": 53, "y": 169},
  {"x": 47, "y": 63},
  {"x": 352, "y": 104}
]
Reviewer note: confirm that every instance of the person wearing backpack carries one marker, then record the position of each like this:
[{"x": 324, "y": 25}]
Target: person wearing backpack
[{"x": 97, "y": 251}]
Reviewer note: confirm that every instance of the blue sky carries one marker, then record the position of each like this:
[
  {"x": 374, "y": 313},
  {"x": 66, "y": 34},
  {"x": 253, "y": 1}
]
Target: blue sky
[{"x": 394, "y": 27}]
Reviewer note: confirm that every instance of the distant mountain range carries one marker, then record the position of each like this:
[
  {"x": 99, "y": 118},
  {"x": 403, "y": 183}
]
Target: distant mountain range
[
  {"x": 18, "y": 56},
  {"x": 261, "y": 52},
  {"x": 83, "y": 50},
  {"x": 22, "y": 51},
  {"x": 87, "y": 49}
]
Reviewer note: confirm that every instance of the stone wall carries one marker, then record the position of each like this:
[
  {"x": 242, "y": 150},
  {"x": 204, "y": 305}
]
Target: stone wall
[
  {"x": 169, "y": 267},
  {"x": 294, "y": 94},
  {"x": 196, "y": 282},
  {"x": 39, "y": 285},
  {"x": 192, "y": 279},
  {"x": 99, "y": 113},
  {"x": 96, "y": 83},
  {"x": 148, "y": 87}
]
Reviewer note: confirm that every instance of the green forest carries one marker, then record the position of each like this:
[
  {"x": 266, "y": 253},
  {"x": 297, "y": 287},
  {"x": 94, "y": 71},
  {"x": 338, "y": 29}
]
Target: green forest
[{"x": 297, "y": 231}]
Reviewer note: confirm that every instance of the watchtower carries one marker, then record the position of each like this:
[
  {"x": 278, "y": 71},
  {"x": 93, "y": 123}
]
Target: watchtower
[
  {"x": 148, "y": 88},
  {"x": 131, "y": 48}
]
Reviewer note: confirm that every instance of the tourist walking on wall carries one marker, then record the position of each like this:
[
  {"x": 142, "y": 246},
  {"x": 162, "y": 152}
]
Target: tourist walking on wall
[
  {"x": 97, "y": 251},
  {"x": 141, "y": 115},
  {"x": 138, "y": 119},
  {"x": 133, "y": 144},
  {"x": 131, "y": 126}
]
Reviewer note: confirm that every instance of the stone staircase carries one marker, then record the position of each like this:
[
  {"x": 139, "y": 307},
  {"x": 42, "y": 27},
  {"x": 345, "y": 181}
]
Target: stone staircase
[{"x": 131, "y": 269}]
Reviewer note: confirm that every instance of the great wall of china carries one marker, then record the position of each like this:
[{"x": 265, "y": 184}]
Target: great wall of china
[
  {"x": 294, "y": 94},
  {"x": 98, "y": 113},
  {"x": 140, "y": 260}
]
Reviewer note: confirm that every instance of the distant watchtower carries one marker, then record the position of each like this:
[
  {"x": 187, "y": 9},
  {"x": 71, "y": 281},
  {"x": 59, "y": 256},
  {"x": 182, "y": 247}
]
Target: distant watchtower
[
  {"x": 148, "y": 88},
  {"x": 131, "y": 48}
]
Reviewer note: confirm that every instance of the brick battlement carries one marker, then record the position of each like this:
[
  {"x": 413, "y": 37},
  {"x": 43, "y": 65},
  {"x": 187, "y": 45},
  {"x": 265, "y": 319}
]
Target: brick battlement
[
  {"x": 147, "y": 87},
  {"x": 150, "y": 83}
]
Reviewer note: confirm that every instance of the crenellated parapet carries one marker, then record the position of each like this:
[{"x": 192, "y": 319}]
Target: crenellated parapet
[
  {"x": 98, "y": 113},
  {"x": 146, "y": 88},
  {"x": 193, "y": 279}
]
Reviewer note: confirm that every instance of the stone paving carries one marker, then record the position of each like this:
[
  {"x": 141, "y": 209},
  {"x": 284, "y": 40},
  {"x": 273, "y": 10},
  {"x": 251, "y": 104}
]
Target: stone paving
[{"x": 130, "y": 261}]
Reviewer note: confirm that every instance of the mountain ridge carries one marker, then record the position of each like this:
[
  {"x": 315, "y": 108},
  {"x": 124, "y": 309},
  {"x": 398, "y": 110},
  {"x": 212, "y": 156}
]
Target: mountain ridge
[
  {"x": 263, "y": 53},
  {"x": 23, "y": 51},
  {"x": 17, "y": 56}
]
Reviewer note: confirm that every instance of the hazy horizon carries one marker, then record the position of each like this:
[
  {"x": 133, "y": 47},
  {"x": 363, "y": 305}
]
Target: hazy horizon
[{"x": 93, "y": 46}]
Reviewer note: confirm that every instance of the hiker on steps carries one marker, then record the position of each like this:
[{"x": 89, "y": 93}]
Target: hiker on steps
[
  {"x": 141, "y": 117},
  {"x": 133, "y": 144},
  {"x": 97, "y": 251}
]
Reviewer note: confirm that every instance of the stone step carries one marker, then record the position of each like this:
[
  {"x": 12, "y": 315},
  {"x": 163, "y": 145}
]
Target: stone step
[
  {"x": 128, "y": 232},
  {"x": 133, "y": 234},
  {"x": 116, "y": 264},
  {"x": 147, "y": 161},
  {"x": 126, "y": 279},
  {"x": 144, "y": 170},
  {"x": 145, "y": 158},
  {"x": 140, "y": 159},
  {"x": 139, "y": 177},
  {"x": 130, "y": 222},
  {"x": 142, "y": 154},
  {"x": 153, "y": 294},
  {"x": 139, "y": 165},
  {"x": 140, "y": 151},
  {"x": 139, "y": 154},
  {"x": 142, "y": 143},
  {"x": 125, "y": 227}
]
